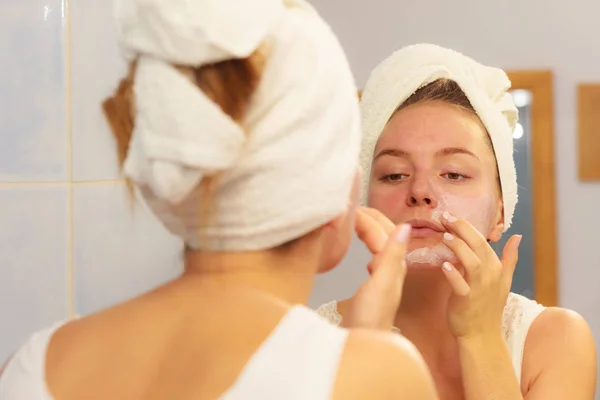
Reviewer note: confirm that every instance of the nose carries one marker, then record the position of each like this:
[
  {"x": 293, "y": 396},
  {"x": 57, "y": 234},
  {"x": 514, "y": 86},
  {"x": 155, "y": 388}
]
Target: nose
[{"x": 421, "y": 194}]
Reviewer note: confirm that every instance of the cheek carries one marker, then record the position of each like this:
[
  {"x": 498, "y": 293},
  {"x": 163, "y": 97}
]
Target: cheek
[
  {"x": 477, "y": 210},
  {"x": 390, "y": 200}
]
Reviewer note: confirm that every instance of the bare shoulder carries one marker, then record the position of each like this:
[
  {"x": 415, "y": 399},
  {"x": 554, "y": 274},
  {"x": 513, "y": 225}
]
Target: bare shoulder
[
  {"x": 382, "y": 365},
  {"x": 559, "y": 327},
  {"x": 560, "y": 355}
]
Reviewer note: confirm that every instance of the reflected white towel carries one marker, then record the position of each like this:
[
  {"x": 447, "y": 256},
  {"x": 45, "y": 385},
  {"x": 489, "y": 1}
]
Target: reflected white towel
[{"x": 412, "y": 67}]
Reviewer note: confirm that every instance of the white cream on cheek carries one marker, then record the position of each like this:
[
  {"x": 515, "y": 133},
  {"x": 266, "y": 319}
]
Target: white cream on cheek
[{"x": 477, "y": 210}]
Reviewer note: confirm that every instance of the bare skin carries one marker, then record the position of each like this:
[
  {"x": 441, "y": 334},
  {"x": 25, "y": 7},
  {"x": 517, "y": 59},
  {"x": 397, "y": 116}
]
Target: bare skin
[
  {"x": 192, "y": 337},
  {"x": 453, "y": 317}
]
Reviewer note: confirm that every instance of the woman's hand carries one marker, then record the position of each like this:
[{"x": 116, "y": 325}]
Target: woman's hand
[
  {"x": 373, "y": 229},
  {"x": 376, "y": 302},
  {"x": 475, "y": 308}
]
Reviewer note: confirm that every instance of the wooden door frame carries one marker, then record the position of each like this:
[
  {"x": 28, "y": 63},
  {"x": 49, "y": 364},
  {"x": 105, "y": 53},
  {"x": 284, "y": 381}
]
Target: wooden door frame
[
  {"x": 545, "y": 255},
  {"x": 540, "y": 83}
]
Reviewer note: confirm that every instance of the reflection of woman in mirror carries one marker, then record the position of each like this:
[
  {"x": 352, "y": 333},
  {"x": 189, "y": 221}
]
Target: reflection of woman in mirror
[
  {"x": 222, "y": 136},
  {"x": 437, "y": 153}
]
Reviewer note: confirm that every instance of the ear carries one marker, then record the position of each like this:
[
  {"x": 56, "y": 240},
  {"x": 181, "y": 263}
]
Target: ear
[
  {"x": 498, "y": 227},
  {"x": 335, "y": 224},
  {"x": 335, "y": 237}
]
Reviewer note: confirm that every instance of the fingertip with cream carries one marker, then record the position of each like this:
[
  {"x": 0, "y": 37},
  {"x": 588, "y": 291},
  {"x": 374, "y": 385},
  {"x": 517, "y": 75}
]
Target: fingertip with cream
[
  {"x": 448, "y": 217},
  {"x": 447, "y": 266},
  {"x": 403, "y": 233}
]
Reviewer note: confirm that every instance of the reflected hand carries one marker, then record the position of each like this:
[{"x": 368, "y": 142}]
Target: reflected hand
[
  {"x": 373, "y": 229},
  {"x": 477, "y": 303},
  {"x": 376, "y": 302}
]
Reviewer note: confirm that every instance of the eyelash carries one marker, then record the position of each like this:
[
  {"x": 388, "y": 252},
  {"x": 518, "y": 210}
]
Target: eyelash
[
  {"x": 389, "y": 177},
  {"x": 461, "y": 176}
]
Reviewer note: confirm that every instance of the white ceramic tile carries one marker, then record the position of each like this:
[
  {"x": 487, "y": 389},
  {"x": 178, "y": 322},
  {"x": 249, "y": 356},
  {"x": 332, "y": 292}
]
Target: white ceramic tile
[
  {"x": 120, "y": 250},
  {"x": 33, "y": 139},
  {"x": 33, "y": 262},
  {"x": 96, "y": 67}
]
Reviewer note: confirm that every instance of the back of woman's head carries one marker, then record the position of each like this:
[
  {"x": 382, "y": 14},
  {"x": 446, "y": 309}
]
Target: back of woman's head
[
  {"x": 230, "y": 84},
  {"x": 224, "y": 124}
]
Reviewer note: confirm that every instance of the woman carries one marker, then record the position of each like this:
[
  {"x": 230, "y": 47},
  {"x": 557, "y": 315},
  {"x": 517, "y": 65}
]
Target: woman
[
  {"x": 437, "y": 149},
  {"x": 233, "y": 325}
]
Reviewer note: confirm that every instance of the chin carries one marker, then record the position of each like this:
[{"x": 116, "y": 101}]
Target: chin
[
  {"x": 413, "y": 266},
  {"x": 429, "y": 257},
  {"x": 420, "y": 242}
]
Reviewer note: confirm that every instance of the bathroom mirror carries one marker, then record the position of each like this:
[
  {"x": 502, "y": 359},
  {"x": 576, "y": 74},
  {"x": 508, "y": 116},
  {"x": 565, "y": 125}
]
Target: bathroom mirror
[
  {"x": 523, "y": 221},
  {"x": 535, "y": 215}
]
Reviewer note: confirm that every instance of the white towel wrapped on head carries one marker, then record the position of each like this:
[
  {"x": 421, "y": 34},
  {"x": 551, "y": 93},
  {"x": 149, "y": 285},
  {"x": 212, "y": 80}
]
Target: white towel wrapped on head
[
  {"x": 410, "y": 68},
  {"x": 287, "y": 169}
]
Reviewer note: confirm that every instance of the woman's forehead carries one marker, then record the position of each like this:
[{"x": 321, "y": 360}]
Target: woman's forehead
[{"x": 431, "y": 127}]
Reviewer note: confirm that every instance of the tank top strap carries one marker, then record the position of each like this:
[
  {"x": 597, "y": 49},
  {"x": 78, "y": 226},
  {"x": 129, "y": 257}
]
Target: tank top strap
[
  {"x": 25, "y": 373},
  {"x": 519, "y": 314},
  {"x": 299, "y": 360}
]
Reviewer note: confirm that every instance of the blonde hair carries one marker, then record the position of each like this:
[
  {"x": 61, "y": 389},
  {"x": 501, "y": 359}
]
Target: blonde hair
[{"x": 230, "y": 84}]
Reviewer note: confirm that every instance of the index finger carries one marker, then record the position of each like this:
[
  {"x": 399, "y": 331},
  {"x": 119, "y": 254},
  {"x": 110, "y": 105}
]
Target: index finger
[
  {"x": 387, "y": 225},
  {"x": 370, "y": 232},
  {"x": 467, "y": 232},
  {"x": 393, "y": 255}
]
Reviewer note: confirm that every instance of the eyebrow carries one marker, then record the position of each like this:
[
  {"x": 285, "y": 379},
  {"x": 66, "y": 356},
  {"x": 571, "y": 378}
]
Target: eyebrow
[{"x": 448, "y": 151}]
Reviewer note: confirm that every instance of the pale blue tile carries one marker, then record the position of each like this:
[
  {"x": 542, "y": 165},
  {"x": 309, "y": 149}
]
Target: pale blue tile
[
  {"x": 33, "y": 138},
  {"x": 33, "y": 262},
  {"x": 120, "y": 250},
  {"x": 96, "y": 67}
]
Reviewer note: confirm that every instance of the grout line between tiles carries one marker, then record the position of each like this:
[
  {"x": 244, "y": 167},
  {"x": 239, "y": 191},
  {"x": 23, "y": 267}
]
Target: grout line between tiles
[
  {"x": 59, "y": 184},
  {"x": 69, "y": 137},
  {"x": 98, "y": 183}
]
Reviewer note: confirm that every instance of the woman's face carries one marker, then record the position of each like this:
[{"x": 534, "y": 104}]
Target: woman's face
[{"x": 432, "y": 158}]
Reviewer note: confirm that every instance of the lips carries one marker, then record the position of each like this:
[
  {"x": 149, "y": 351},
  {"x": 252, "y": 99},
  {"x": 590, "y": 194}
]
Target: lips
[{"x": 424, "y": 228}]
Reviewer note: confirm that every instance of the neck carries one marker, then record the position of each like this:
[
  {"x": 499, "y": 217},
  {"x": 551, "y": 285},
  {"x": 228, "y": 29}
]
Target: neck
[
  {"x": 284, "y": 274},
  {"x": 422, "y": 314}
]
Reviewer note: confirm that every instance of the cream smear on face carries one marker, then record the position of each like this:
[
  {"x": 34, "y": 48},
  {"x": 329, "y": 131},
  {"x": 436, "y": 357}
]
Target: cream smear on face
[{"x": 477, "y": 210}]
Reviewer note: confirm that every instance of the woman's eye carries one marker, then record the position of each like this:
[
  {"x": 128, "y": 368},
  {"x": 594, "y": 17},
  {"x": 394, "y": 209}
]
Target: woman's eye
[
  {"x": 454, "y": 176},
  {"x": 393, "y": 177}
]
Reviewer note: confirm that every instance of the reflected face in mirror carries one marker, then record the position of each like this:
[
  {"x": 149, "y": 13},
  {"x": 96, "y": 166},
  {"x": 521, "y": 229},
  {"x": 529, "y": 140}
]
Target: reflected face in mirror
[{"x": 434, "y": 157}]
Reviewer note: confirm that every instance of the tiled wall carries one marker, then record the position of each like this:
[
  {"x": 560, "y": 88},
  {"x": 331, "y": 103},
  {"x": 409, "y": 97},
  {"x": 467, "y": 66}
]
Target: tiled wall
[{"x": 70, "y": 241}]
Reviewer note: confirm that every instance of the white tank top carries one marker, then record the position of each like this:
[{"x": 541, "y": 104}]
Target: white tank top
[
  {"x": 519, "y": 314},
  {"x": 298, "y": 361}
]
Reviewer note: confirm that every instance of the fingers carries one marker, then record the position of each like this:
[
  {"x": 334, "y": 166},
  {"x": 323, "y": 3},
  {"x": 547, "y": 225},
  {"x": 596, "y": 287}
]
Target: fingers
[
  {"x": 463, "y": 252},
  {"x": 472, "y": 249},
  {"x": 390, "y": 264},
  {"x": 387, "y": 225},
  {"x": 456, "y": 280},
  {"x": 510, "y": 253},
  {"x": 465, "y": 231},
  {"x": 370, "y": 232}
]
